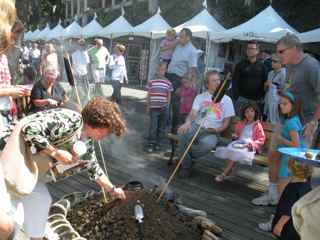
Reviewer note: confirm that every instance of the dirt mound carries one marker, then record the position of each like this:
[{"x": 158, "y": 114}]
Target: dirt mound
[{"x": 93, "y": 220}]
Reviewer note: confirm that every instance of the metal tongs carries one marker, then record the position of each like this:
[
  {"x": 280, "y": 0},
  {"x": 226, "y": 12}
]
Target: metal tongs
[{"x": 139, "y": 216}]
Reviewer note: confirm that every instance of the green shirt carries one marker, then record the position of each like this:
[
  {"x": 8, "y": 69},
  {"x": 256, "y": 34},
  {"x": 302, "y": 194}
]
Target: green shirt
[{"x": 99, "y": 56}]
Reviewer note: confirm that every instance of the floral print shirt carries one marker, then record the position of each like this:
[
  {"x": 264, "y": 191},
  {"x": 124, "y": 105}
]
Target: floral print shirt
[{"x": 60, "y": 128}]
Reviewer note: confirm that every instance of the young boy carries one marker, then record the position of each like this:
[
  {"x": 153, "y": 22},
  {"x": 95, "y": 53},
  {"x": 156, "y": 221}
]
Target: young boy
[{"x": 158, "y": 99}]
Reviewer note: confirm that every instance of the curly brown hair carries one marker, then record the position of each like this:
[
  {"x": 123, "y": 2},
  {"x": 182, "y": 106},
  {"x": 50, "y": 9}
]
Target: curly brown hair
[{"x": 102, "y": 113}]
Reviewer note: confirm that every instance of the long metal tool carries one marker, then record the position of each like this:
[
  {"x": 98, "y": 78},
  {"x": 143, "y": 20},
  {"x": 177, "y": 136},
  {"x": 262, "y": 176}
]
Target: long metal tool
[{"x": 216, "y": 97}]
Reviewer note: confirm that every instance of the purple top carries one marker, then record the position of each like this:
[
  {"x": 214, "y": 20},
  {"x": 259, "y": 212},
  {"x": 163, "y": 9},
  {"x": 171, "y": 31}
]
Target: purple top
[
  {"x": 167, "y": 54},
  {"x": 187, "y": 95}
]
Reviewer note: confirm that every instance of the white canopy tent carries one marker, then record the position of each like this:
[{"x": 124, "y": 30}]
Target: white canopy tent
[
  {"x": 155, "y": 27},
  {"x": 74, "y": 30},
  {"x": 92, "y": 28},
  {"x": 33, "y": 35},
  {"x": 42, "y": 35},
  {"x": 27, "y": 35},
  {"x": 310, "y": 36},
  {"x": 55, "y": 33},
  {"x": 266, "y": 26},
  {"x": 119, "y": 27},
  {"x": 202, "y": 24}
]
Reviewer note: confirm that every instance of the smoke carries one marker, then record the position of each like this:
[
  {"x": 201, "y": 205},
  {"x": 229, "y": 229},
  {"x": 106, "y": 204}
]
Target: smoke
[{"x": 125, "y": 153}]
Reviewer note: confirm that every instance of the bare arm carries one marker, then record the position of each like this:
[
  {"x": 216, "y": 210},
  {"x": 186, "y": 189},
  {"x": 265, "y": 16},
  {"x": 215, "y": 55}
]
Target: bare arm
[
  {"x": 294, "y": 142},
  {"x": 6, "y": 225},
  {"x": 13, "y": 92},
  {"x": 65, "y": 98},
  {"x": 225, "y": 125},
  {"x": 279, "y": 225},
  {"x": 40, "y": 102},
  {"x": 105, "y": 183},
  {"x": 192, "y": 115}
]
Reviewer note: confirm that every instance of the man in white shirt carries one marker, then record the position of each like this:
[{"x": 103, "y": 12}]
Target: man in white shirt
[
  {"x": 217, "y": 119},
  {"x": 80, "y": 60},
  {"x": 99, "y": 58},
  {"x": 183, "y": 63},
  {"x": 35, "y": 55}
]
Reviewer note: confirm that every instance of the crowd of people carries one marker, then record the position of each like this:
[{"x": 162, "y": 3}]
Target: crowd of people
[{"x": 281, "y": 87}]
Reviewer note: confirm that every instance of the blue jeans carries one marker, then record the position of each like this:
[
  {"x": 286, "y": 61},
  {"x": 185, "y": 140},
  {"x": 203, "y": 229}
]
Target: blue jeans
[
  {"x": 203, "y": 144},
  {"x": 158, "y": 118},
  {"x": 116, "y": 95}
]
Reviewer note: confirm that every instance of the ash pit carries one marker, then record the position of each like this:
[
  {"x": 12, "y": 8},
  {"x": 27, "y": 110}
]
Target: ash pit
[{"x": 93, "y": 219}]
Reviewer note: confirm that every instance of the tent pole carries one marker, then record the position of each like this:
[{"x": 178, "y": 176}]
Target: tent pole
[
  {"x": 206, "y": 59},
  {"x": 110, "y": 46}
]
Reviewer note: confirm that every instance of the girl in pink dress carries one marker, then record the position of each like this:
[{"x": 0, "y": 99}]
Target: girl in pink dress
[{"x": 187, "y": 93}]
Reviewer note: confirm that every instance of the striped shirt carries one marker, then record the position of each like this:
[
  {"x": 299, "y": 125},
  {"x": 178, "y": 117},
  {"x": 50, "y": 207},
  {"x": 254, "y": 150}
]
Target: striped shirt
[{"x": 159, "y": 91}]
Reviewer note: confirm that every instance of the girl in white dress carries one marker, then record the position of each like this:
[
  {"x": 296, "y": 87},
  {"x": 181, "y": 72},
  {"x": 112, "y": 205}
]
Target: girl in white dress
[{"x": 249, "y": 137}]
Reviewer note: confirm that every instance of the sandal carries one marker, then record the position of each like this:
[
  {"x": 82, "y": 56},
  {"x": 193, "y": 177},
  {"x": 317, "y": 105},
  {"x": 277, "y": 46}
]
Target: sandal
[{"x": 220, "y": 177}]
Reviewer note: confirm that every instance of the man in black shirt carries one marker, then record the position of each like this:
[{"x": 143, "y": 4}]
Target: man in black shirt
[{"x": 249, "y": 78}]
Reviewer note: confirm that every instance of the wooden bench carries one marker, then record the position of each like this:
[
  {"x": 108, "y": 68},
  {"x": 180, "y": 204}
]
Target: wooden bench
[{"x": 226, "y": 137}]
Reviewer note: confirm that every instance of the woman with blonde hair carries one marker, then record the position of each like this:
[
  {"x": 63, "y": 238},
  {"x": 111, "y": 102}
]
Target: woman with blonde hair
[
  {"x": 7, "y": 92},
  {"x": 119, "y": 71}
]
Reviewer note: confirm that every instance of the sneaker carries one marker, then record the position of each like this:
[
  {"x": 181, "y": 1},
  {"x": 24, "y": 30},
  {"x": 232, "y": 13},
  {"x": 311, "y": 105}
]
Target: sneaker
[
  {"x": 265, "y": 200},
  {"x": 184, "y": 173},
  {"x": 220, "y": 177},
  {"x": 150, "y": 148},
  {"x": 266, "y": 226}
]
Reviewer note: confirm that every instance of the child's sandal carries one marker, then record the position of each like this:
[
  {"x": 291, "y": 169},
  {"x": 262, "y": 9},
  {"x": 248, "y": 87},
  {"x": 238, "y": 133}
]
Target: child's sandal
[{"x": 220, "y": 177}]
